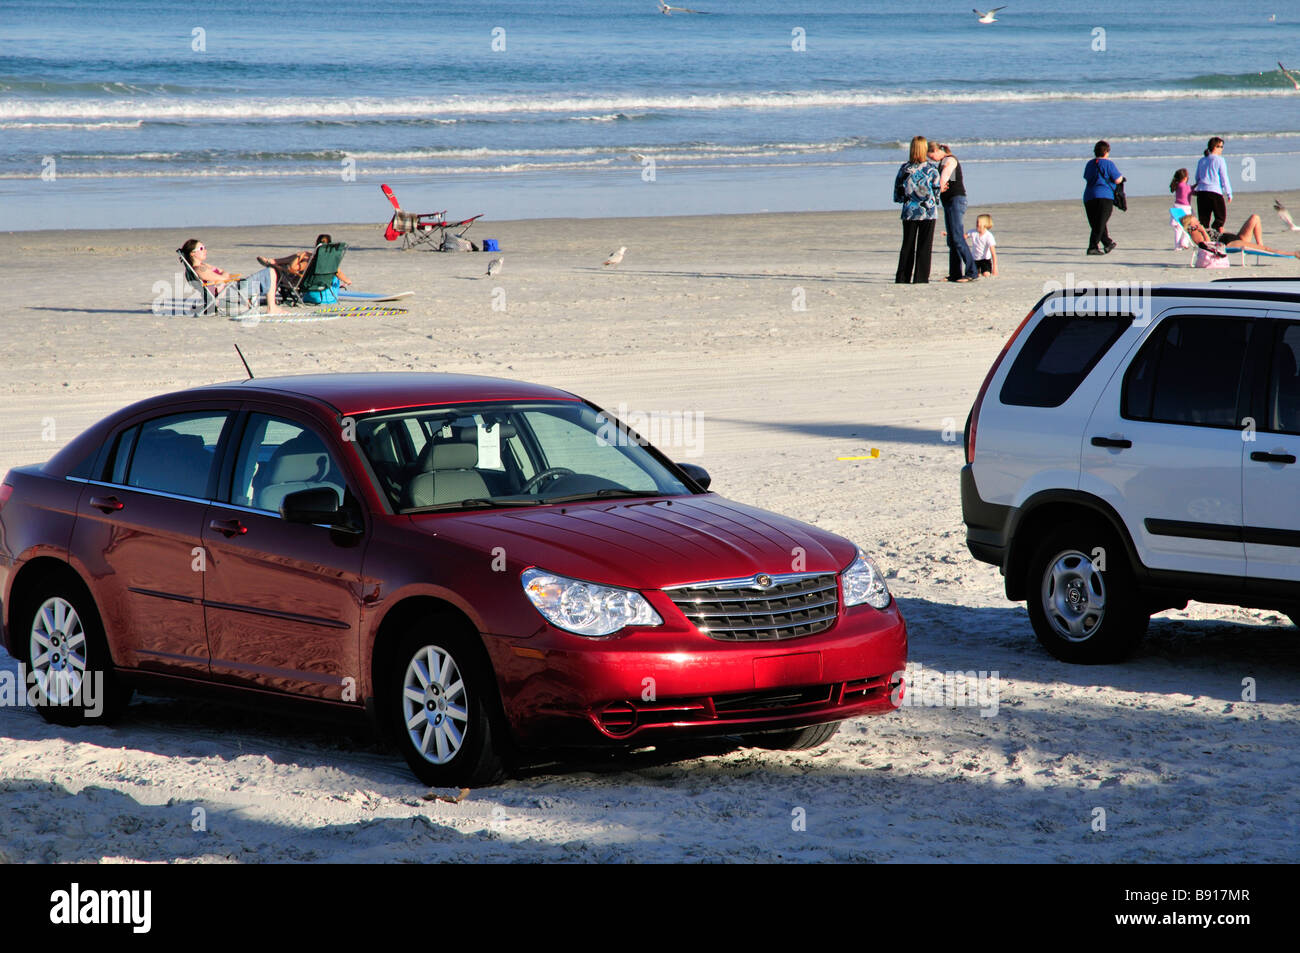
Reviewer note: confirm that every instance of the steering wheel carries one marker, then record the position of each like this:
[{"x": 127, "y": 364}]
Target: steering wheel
[{"x": 536, "y": 479}]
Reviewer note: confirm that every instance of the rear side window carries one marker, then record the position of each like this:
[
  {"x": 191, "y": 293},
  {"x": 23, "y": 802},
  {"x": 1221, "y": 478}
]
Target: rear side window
[
  {"x": 1058, "y": 355},
  {"x": 176, "y": 454},
  {"x": 1189, "y": 372}
]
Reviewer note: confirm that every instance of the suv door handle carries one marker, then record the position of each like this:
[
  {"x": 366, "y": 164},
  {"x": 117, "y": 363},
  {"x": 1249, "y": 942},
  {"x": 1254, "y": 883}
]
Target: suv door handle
[
  {"x": 1119, "y": 442},
  {"x": 109, "y": 504},
  {"x": 1263, "y": 457},
  {"x": 228, "y": 527}
]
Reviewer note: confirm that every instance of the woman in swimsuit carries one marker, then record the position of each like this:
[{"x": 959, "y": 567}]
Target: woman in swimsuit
[
  {"x": 257, "y": 286},
  {"x": 1250, "y": 236}
]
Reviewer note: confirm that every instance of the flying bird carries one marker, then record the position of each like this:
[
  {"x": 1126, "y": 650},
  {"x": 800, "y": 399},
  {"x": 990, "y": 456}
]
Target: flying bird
[
  {"x": 1287, "y": 73},
  {"x": 1285, "y": 216},
  {"x": 668, "y": 11},
  {"x": 987, "y": 15},
  {"x": 494, "y": 266},
  {"x": 615, "y": 257}
]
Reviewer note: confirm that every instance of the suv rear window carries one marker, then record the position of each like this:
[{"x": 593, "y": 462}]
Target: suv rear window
[
  {"x": 1058, "y": 355},
  {"x": 1189, "y": 372}
]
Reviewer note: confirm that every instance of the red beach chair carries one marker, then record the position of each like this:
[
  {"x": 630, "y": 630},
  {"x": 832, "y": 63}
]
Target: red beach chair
[{"x": 416, "y": 228}]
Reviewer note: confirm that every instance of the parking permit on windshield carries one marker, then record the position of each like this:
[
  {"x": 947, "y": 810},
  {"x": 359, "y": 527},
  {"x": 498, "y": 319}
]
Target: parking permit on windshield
[{"x": 489, "y": 447}]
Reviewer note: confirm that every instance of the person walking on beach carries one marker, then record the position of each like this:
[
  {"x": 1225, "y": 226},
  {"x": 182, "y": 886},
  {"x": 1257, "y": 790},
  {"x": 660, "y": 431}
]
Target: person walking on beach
[
  {"x": 916, "y": 188},
  {"x": 952, "y": 193},
  {"x": 1213, "y": 190},
  {"x": 1101, "y": 176}
]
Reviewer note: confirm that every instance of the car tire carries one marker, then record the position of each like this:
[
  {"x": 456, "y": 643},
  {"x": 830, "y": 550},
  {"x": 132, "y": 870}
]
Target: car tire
[
  {"x": 448, "y": 736},
  {"x": 1082, "y": 598},
  {"x": 62, "y": 638},
  {"x": 800, "y": 739}
]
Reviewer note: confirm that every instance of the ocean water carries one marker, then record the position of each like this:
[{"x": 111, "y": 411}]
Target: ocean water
[{"x": 151, "y": 113}]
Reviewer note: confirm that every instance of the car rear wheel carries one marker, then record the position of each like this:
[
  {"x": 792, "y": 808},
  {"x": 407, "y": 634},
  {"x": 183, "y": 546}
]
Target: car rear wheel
[
  {"x": 440, "y": 709},
  {"x": 1082, "y": 598},
  {"x": 800, "y": 739},
  {"x": 70, "y": 669}
]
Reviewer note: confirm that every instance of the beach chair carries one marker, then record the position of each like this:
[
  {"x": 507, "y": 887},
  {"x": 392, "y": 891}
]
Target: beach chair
[
  {"x": 1181, "y": 239},
  {"x": 418, "y": 228},
  {"x": 318, "y": 283},
  {"x": 230, "y": 301}
]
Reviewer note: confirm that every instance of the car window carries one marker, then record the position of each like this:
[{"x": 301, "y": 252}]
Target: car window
[
  {"x": 568, "y": 443},
  {"x": 1189, "y": 372},
  {"x": 278, "y": 457},
  {"x": 175, "y": 454},
  {"x": 1058, "y": 355},
  {"x": 1284, "y": 383}
]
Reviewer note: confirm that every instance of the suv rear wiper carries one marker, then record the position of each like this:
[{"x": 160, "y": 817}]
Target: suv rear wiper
[{"x": 609, "y": 491}]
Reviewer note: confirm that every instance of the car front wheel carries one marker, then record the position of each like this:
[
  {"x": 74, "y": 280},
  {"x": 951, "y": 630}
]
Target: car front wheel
[
  {"x": 439, "y": 707},
  {"x": 1082, "y": 598},
  {"x": 800, "y": 739}
]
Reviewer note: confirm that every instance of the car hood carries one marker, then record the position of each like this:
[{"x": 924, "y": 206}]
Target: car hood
[{"x": 647, "y": 544}]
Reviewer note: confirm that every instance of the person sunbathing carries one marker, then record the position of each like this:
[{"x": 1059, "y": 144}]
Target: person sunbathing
[
  {"x": 1249, "y": 237},
  {"x": 259, "y": 285},
  {"x": 293, "y": 267}
]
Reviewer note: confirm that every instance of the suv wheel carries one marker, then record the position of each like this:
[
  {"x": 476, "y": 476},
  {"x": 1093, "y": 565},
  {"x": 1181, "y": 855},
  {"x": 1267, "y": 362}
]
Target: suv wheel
[
  {"x": 68, "y": 658},
  {"x": 1082, "y": 597},
  {"x": 439, "y": 709}
]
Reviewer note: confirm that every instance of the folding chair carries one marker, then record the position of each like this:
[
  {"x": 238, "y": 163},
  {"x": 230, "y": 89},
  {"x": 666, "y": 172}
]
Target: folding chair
[
  {"x": 417, "y": 228},
  {"x": 320, "y": 276},
  {"x": 212, "y": 301}
]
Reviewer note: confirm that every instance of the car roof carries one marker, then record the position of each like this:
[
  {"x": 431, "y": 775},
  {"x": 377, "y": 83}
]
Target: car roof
[{"x": 367, "y": 392}]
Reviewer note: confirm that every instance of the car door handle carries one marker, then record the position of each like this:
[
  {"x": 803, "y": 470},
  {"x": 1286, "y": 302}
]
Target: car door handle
[
  {"x": 1119, "y": 442},
  {"x": 228, "y": 527},
  {"x": 1263, "y": 457},
  {"x": 109, "y": 504}
]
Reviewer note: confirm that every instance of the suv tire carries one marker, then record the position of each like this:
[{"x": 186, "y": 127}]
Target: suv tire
[{"x": 1082, "y": 598}]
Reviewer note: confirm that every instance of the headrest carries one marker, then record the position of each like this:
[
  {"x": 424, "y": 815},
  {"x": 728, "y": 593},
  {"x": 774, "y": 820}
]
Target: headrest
[
  {"x": 297, "y": 468},
  {"x": 454, "y": 456}
]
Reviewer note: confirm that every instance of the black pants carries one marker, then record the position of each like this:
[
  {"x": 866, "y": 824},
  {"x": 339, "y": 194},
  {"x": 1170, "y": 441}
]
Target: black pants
[
  {"x": 914, "y": 256},
  {"x": 1098, "y": 215},
  {"x": 1211, "y": 204}
]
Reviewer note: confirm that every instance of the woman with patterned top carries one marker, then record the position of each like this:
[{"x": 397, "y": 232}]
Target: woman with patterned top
[{"x": 916, "y": 188}]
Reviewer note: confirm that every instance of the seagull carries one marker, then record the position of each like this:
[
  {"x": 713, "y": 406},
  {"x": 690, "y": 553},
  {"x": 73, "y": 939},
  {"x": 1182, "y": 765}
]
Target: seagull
[
  {"x": 668, "y": 11},
  {"x": 987, "y": 16},
  {"x": 615, "y": 257},
  {"x": 1283, "y": 214},
  {"x": 1287, "y": 73},
  {"x": 494, "y": 266}
]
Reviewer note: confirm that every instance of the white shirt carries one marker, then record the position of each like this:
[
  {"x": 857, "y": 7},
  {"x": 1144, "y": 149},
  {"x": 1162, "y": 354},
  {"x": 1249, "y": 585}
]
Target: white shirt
[{"x": 981, "y": 245}]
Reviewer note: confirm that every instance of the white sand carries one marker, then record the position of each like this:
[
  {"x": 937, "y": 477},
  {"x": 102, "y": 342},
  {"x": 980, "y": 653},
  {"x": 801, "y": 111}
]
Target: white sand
[{"x": 698, "y": 318}]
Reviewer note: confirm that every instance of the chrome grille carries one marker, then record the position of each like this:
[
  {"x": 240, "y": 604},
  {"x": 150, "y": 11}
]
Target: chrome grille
[{"x": 742, "y": 610}]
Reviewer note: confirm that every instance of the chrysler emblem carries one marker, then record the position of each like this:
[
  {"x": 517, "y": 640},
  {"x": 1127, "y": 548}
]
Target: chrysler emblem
[{"x": 763, "y": 581}]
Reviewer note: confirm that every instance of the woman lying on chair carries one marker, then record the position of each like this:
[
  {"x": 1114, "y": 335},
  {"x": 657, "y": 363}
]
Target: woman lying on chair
[
  {"x": 1250, "y": 237},
  {"x": 256, "y": 286},
  {"x": 293, "y": 266}
]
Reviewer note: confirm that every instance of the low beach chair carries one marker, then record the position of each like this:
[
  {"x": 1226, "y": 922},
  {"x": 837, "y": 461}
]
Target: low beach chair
[
  {"x": 320, "y": 275},
  {"x": 418, "y": 228},
  {"x": 1181, "y": 239},
  {"x": 212, "y": 300}
]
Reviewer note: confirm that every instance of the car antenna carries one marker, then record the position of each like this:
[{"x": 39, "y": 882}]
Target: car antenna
[{"x": 242, "y": 358}]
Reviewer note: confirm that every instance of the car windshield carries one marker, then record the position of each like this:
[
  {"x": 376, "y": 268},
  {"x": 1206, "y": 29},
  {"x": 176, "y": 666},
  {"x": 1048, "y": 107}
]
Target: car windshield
[{"x": 503, "y": 454}]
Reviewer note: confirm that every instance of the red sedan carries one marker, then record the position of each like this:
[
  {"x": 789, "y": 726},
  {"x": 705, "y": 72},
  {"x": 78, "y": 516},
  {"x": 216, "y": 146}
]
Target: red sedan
[{"x": 481, "y": 565}]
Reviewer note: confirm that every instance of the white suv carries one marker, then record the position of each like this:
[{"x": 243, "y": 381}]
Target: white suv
[{"x": 1130, "y": 451}]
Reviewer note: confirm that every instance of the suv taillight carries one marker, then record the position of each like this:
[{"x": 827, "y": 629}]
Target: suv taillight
[
  {"x": 988, "y": 378},
  {"x": 6, "y": 491}
]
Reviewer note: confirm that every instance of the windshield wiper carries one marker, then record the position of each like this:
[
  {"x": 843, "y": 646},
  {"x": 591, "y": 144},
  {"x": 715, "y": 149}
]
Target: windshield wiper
[
  {"x": 472, "y": 503},
  {"x": 609, "y": 491}
]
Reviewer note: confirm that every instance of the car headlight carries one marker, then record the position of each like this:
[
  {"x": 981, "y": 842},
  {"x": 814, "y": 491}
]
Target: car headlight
[
  {"x": 585, "y": 608},
  {"x": 863, "y": 583}
]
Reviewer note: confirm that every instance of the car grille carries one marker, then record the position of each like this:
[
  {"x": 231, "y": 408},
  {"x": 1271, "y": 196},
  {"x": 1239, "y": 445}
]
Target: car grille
[{"x": 738, "y": 610}]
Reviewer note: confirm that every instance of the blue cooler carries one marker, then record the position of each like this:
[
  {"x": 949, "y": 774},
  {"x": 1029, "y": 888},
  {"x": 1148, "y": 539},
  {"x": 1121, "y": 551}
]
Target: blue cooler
[{"x": 490, "y": 244}]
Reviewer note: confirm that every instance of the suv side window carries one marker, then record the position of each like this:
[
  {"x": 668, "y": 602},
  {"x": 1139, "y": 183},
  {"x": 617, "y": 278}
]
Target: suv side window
[
  {"x": 175, "y": 454},
  {"x": 1284, "y": 383},
  {"x": 1189, "y": 372},
  {"x": 1057, "y": 357}
]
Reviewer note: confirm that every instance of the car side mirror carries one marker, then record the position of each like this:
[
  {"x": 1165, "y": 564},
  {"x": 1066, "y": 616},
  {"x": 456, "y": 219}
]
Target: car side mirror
[
  {"x": 696, "y": 473},
  {"x": 318, "y": 505}
]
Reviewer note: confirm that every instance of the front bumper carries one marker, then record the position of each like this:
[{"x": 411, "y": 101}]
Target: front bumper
[{"x": 673, "y": 682}]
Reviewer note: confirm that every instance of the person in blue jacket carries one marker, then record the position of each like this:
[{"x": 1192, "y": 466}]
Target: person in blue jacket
[
  {"x": 1101, "y": 176},
  {"x": 1212, "y": 189}
]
